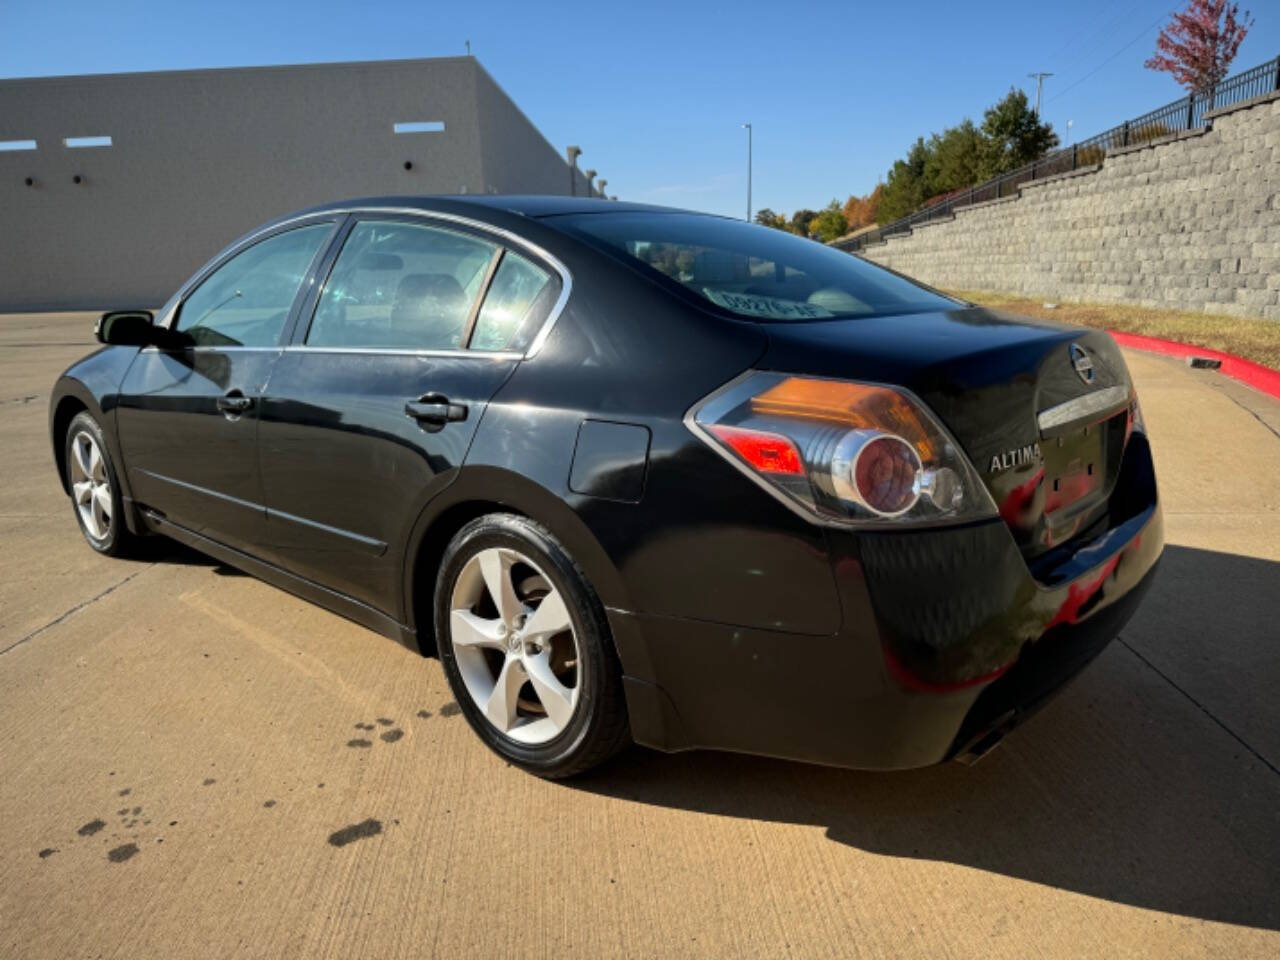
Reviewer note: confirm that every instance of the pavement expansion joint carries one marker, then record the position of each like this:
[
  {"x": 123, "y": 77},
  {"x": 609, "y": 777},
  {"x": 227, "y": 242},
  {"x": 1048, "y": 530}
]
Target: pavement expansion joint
[
  {"x": 74, "y": 610},
  {"x": 1255, "y": 415},
  {"x": 1200, "y": 706}
]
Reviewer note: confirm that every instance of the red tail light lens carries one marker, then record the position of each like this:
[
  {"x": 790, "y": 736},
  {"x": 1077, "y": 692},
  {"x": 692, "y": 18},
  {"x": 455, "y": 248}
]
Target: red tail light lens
[
  {"x": 847, "y": 452},
  {"x": 766, "y": 452},
  {"x": 885, "y": 474}
]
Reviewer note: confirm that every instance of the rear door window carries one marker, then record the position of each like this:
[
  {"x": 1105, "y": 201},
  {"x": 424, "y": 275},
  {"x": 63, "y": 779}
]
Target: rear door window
[
  {"x": 516, "y": 301},
  {"x": 401, "y": 286}
]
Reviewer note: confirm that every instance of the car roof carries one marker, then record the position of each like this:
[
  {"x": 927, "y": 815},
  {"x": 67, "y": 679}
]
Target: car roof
[{"x": 526, "y": 205}]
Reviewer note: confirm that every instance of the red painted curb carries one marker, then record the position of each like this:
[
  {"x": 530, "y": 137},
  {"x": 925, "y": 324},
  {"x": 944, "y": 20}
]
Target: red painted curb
[{"x": 1246, "y": 371}]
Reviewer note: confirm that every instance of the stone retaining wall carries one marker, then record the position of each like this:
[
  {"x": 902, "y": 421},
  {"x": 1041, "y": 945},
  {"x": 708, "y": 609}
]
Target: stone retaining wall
[{"x": 1189, "y": 222}]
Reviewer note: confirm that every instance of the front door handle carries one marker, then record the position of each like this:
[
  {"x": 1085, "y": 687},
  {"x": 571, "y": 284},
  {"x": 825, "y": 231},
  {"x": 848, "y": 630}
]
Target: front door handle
[
  {"x": 436, "y": 409},
  {"x": 234, "y": 403}
]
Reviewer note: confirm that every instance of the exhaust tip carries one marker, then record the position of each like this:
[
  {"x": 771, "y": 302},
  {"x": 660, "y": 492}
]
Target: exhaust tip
[{"x": 987, "y": 740}]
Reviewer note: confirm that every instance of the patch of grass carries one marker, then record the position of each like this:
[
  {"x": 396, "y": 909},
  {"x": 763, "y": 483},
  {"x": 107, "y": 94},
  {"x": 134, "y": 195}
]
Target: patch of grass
[{"x": 1256, "y": 340}]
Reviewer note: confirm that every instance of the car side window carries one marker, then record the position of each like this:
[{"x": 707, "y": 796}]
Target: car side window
[
  {"x": 515, "y": 301},
  {"x": 246, "y": 301},
  {"x": 401, "y": 286}
]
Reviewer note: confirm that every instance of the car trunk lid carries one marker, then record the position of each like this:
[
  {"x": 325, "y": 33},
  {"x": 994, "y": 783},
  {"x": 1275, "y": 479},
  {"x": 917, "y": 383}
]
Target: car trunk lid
[{"x": 1041, "y": 410}]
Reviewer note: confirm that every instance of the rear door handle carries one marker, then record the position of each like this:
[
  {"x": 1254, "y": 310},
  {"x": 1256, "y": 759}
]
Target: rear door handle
[
  {"x": 433, "y": 408},
  {"x": 234, "y": 402}
]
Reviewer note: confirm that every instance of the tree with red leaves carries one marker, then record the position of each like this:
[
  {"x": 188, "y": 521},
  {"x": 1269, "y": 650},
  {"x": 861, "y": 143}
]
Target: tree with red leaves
[{"x": 1200, "y": 43}]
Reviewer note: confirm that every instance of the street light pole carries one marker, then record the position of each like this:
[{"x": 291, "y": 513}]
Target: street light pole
[
  {"x": 590, "y": 175},
  {"x": 747, "y": 126},
  {"x": 573, "y": 153}
]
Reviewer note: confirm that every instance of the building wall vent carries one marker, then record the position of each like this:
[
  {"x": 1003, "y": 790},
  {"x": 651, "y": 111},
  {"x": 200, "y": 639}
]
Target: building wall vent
[{"x": 419, "y": 126}]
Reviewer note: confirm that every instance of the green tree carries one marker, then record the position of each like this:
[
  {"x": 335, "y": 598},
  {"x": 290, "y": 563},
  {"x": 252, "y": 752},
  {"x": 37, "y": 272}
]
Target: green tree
[
  {"x": 829, "y": 223},
  {"x": 954, "y": 158},
  {"x": 800, "y": 221},
  {"x": 904, "y": 188},
  {"x": 767, "y": 218},
  {"x": 1014, "y": 135}
]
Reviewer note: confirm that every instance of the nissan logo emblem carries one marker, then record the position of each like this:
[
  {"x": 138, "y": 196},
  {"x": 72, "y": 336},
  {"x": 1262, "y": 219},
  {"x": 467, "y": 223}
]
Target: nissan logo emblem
[{"x": 1080, "y": 360}]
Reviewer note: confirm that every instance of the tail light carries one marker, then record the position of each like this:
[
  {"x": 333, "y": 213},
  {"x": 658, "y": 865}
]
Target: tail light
[{"x": 853, "y": 453}]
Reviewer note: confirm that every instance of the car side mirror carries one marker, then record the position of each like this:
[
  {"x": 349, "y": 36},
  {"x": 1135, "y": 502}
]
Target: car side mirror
[{"x": 128, "y": 328}]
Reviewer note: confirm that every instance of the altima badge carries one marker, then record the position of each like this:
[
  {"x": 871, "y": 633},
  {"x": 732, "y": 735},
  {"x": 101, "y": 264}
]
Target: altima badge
[
  {"x": 1080, "y": 360},
  {"x": 1015, "y": 458}
]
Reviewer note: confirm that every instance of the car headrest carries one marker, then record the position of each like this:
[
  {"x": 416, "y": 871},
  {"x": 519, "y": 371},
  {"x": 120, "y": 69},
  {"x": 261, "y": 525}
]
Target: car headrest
[{"x": 421, "y": 286}]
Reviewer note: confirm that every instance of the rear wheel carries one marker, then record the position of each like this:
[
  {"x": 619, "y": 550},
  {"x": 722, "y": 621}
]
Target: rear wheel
[
  {"x": 526, "y": 648},
  {"x": 95, "y": 490}
]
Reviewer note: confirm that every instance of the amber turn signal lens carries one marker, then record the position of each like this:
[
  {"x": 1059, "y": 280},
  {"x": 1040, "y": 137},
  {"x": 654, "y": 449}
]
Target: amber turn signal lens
[{"x": 858, "y": 405}]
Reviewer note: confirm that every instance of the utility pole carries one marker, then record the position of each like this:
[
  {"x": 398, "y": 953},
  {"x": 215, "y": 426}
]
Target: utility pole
[
  {"x": 747, "y": 127},
  {"x": 1039, "y": 79}
]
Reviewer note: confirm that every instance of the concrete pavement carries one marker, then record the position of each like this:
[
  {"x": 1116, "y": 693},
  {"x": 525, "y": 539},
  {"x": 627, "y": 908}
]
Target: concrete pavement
[{"x": 197, "y": 764}]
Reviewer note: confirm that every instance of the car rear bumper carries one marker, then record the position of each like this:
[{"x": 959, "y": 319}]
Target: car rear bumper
[{"x": 946, "y": 637}]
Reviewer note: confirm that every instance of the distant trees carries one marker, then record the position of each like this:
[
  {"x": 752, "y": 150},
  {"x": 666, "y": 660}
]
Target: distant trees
[
  {"x": 803, "y": 222},
  {"x": 826, "y": 224},
  {"x": 767, "y": 218},
  {"x": 861, "y": 212},
  {"x": 829, "y": 223},
  {"x": 800, "y": 221},
  {"x": 1197, "y": 47},
  {"x": 1011, "y": 135}
]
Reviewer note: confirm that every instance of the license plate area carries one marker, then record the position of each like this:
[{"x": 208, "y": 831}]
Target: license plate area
[{"x": 1079, "y": 468}]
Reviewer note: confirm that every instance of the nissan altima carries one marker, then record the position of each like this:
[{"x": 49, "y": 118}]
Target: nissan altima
[{"x": 635, "y": 474}]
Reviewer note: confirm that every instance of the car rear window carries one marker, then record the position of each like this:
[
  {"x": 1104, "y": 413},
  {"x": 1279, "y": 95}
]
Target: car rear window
[{"x": 751, "y": 271}]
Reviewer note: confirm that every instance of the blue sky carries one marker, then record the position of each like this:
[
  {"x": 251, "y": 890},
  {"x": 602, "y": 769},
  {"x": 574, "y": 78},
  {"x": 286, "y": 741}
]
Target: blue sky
[{"x": 655, "y": 92}]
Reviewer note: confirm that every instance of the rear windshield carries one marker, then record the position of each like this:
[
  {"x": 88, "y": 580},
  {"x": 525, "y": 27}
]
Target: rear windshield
[{"x": 752, "y": 271}]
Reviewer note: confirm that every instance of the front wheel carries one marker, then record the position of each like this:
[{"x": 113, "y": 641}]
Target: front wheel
[
  {"x": 526, "y": 648},
  {"x": 95, "y": 488}
]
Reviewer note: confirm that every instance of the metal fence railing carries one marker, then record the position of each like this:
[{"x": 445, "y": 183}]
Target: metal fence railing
[{"x": 1187, "y": 113}]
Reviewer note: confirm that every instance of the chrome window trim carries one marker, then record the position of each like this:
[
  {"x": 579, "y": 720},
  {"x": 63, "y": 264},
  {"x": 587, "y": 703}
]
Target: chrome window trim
[
  {"x": 509, "y": 238},
  {"x": 1083, "y": 410},
  {"x": 376, "y": 351},
  {"x": 407, "y": 352},
  {"x": 202, "y": 347}
]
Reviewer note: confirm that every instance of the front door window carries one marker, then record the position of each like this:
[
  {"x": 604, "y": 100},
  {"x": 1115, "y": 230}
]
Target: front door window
[{"x": 246, "y": 301}]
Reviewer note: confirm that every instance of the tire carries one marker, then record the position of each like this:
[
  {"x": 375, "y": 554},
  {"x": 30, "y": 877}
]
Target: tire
[
  {"x": 561, "y": 723},
  {"x": 89, "y": 470}
]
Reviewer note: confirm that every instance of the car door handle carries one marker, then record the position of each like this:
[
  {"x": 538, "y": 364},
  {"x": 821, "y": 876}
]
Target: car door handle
[
  {"x": 234, "y": 402},
  {"x": 434, "y": 408}
]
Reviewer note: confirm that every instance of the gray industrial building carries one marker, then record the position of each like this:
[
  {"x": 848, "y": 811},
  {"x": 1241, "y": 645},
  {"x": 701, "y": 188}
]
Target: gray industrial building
[{"x": 115, "y": 188}]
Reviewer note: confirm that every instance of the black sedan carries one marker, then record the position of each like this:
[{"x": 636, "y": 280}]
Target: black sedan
[{"x": 635, "y": 473}]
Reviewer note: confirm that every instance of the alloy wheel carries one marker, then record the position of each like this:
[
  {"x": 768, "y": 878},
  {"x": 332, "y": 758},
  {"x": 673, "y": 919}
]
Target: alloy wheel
[
  {"x": 515, "y": 645},
  {"x": 90, "y": 485}
]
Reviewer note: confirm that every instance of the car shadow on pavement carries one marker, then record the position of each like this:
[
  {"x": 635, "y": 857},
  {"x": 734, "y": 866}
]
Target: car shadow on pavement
[
  {"x": 1125, "y": 788},
  {"x": 164, "y": 550}
]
